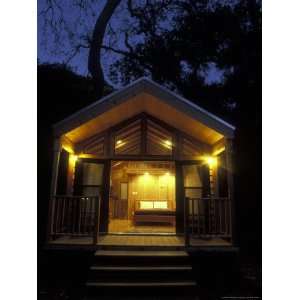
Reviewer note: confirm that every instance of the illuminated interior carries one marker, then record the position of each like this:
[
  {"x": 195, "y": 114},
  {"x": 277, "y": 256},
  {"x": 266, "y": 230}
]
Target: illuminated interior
[{"x": 142, "y": 197}]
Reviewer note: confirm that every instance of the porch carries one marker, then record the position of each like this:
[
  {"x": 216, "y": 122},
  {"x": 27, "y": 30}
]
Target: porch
[
  {"x": 147, "y": 241},
  {"x": 76, "y": 222}
]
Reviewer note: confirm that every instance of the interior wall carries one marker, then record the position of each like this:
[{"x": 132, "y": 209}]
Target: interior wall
[
  {"x": 151, "y": 187},
  {"x": 146, "y": 181}
]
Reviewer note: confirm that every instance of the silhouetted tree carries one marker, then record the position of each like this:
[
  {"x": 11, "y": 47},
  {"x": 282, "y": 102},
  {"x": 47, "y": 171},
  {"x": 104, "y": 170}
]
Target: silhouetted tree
[
  {"x": 54, "y": 17},
  {"x": 178, "y": 43},
  {"x": 61, "y": 92}
]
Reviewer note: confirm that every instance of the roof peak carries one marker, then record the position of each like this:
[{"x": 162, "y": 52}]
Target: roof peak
[{"x": 145, "y": 84}]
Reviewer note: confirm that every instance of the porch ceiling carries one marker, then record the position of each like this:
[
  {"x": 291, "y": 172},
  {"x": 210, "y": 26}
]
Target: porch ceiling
[{"x": 144, "y": 102}]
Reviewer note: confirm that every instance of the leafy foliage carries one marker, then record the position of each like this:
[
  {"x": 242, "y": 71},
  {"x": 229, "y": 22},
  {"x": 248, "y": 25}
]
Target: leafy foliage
[{"x": 199, "y": 35}]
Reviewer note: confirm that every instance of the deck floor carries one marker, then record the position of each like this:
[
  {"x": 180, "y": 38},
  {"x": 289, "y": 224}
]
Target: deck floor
[
  {"x": 139, "y": 240},
  {"x": 127, "y": 226}
]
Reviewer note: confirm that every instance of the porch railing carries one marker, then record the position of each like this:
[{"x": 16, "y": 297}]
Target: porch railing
[
  {"x": 75, "y": 216},
  {"x": 207, "y": 218}
]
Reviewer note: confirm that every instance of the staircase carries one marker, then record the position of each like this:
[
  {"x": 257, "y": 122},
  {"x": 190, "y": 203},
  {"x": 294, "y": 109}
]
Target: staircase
[{"x": 141, "y": 273}]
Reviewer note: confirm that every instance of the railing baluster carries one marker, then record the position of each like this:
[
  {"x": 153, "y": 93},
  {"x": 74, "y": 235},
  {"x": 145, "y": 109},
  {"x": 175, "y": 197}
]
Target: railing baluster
[
  {"x": 74, "y": 215},
  {"x": 186, "y": 222},
  {"x": 57, "y": 216},
  {"x": 69, "y": 215},
  {"x": 193, "y": 215},
  {"x": 79, "y": 214},
  {"x": 61, "y": 225},
  {"x": 229, "y": 216},
  {"x": 220, "y": 212},
  {"x": 89, "y": 218},
  {"x": 84, "y": 213},
  {"x": 92, "y": 210},
  {"x": 52, "y": 229},
  {"x": 97, "y": 220},
  {"x": 199, "y": 219}
]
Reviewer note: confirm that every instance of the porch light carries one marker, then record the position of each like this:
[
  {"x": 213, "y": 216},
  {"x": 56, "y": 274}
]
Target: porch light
[
  {"x": 73, "y": 158},
  {"x": 210, "y": 160},
  {"x": 168, "y": 143},
  {"x": 68, "y": 149}
]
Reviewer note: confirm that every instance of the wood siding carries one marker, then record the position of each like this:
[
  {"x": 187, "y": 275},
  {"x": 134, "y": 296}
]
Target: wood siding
[{"x": 142, "y": 136}]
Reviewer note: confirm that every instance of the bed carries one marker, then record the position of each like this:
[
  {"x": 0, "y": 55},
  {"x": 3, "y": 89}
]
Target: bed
[{"x": 154, "y": 211}]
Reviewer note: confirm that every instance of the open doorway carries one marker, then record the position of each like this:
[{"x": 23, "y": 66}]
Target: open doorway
[{"x": 142, "y": 197}]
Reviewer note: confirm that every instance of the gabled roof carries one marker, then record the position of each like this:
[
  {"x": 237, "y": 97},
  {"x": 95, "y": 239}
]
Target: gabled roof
[{"x": 147, "y": 86}]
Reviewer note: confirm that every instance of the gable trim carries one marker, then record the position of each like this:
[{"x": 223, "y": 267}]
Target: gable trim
[{"x": 148, "y": 86}]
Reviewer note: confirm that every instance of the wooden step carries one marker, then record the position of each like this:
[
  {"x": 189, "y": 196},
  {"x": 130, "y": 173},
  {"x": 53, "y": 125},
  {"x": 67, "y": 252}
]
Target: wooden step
[
  {"x": 141, "y": 253},
  {"x": 141, "y": 268},
  {"x": 142, "y": 284},
  {"x": 142, "y": 247}
]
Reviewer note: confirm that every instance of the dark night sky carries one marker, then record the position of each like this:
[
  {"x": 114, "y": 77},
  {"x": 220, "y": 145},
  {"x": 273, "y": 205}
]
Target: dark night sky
[{"x": 80, "y": 22}]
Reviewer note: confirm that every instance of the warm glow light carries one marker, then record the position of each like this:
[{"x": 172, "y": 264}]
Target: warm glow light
[
  {"x": 210, "y": 160},
  {"x": 168, "y": 143},
  {"x": 217, "y": 152},
  {"x": 167, "y": 174},
  {"x": 73, "y": 158},
  {"x": 146, "y": 174},
  {"x": 68, "y": 149},
  {"x": 119, "y": 142}
]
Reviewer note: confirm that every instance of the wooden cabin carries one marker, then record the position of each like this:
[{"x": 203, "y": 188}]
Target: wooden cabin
[{"x": 142, "y": 162}]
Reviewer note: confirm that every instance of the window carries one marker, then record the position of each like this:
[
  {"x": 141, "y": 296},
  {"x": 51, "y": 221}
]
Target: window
[{"x": 88, "y": 178}]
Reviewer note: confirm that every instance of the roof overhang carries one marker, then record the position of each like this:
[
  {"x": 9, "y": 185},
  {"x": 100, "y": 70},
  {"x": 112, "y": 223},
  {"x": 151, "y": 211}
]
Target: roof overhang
[{"x": 147, "y": 96}]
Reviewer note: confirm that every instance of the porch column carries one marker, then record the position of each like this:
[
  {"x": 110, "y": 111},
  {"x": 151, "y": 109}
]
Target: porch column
[
  {"x": 55, "y": 165},
  {"x": 104, "y": 200},
  {"x": 180, "y": 198},
  {"x": 229, "y": 167}
]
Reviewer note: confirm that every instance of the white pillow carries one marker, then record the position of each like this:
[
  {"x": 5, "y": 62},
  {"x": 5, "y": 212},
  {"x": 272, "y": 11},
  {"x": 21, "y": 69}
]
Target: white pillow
[
  {"x": 161, "y": 204},
  {"x": 146, "y": 204}
]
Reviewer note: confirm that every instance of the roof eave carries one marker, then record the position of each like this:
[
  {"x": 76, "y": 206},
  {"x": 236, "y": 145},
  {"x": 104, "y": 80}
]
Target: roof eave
[{"x": 143, "y": 85}]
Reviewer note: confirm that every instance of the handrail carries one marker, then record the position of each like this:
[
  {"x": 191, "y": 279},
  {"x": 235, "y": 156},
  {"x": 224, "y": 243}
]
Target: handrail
[
  {"x": 97, "y": 223},
  {"x": 206, "y": 217},
  {"x": 75, "y": 216}
]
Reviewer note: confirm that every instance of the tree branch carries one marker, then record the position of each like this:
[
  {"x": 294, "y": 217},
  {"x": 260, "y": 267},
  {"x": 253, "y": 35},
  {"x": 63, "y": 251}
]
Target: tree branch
[
  {"x": 131, "y": 55},
  {"x": 94, "y": 62}
]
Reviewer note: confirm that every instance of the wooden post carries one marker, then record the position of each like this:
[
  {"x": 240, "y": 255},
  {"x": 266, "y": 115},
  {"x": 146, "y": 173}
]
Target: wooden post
[
  {"x": 177, "y": 146},
  {"x": 97, "y": 220},
  {"x": 186, "y": 222},
  {"x": 55, "y": 165},
  {"x": 107, "y": 144},
  {"x": 104, "y": 200},
  {"x": 179, "y": 197},
  {"x": 229, "y": 167}
]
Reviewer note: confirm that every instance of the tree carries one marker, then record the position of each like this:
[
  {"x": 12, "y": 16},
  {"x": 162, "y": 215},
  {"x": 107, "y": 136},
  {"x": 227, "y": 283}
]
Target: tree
[
  {"x": 202, "y": 37},
  {"x": 94, "y": 62},
  {"x": 180, "y": 43},
  {"x": 55, "y": 19}
]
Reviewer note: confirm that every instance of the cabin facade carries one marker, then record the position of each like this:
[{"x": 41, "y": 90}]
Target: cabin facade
[{"x": 142, "y": 162}]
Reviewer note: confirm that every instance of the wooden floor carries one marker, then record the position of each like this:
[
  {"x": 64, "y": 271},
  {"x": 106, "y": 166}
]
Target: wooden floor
[
  {"x": 139, "y": 240},
  {"x": 126, "y": 226}
]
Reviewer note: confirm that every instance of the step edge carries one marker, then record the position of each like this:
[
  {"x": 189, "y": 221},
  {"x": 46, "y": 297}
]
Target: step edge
[
  {"x": 101, "y": 268},
  {"x": 167, "y": 253},
  {"x": 136, "y": 284}
]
